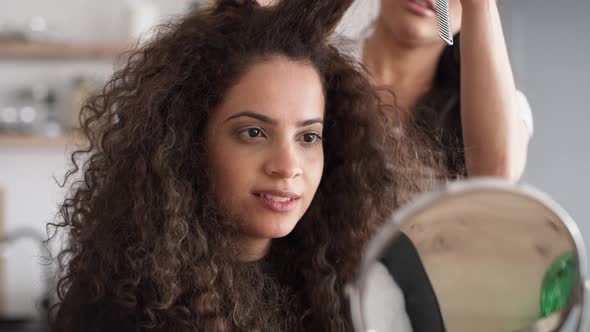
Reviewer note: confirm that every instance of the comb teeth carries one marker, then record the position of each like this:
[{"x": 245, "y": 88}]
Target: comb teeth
[{"x": 444, "y": 21}]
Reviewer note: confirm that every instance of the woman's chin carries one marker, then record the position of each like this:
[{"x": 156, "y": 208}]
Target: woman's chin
[
  {"x": 282, "y": 232},
  {"x": 275, "y": 229},
  {"x": 414, "y": 32}
]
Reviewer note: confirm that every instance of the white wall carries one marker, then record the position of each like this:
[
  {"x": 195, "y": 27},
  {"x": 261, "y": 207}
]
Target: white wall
[
  {"x": 31, "y": 198},
  {"x": 550, "y": 47}
]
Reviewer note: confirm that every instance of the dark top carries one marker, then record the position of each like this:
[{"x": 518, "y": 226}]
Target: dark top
[
  {"x": 403, "y": 262},
  {"x": 79, "y": 314}
]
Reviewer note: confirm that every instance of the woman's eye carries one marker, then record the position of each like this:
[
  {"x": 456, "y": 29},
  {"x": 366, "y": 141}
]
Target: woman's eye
[
  {"x": 249, "y": 133},
  {"x": 311, "y": 138}
]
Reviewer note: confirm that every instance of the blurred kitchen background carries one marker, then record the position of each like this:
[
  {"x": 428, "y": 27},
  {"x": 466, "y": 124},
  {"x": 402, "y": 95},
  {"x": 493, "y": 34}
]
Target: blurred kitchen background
[{"x": 53, "y": 53}]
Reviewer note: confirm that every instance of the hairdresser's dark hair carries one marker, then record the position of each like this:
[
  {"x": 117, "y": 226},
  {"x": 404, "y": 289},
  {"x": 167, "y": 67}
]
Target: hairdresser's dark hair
[
  {"x": 438, "y": 113},
  {"x": 147, "y": 249}
]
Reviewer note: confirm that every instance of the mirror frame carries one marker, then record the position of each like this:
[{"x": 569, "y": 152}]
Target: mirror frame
[{"x": 391, "y": 228}]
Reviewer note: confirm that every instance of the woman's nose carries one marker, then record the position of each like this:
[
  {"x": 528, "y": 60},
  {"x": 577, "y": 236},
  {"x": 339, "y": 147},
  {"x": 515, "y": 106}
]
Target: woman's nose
[{"x": 283, "y": 162}]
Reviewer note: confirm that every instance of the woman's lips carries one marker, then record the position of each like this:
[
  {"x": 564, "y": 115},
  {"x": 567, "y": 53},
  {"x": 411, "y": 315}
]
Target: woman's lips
[
  {"x": 277, "y": 201},
  {"x": 421, "y": 7}
]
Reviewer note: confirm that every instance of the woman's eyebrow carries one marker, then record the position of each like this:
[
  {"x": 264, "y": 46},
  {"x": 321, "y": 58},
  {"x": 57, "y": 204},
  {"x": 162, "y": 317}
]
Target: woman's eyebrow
[
  {"x": 310, "y": 122},
  {"x": 254, "y": 115},
  {"x": 271, "y": 121}
]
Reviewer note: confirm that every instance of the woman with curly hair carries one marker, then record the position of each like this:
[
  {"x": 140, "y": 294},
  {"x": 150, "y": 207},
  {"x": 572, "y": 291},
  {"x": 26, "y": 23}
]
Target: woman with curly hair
[{"x": 236, "y": 167}]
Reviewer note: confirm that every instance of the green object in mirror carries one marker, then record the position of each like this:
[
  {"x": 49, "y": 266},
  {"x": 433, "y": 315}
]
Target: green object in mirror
[{"x": 558, "y": 283}]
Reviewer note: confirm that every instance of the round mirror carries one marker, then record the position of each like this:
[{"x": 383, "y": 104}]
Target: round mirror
[{"x": 480, "y": 255}]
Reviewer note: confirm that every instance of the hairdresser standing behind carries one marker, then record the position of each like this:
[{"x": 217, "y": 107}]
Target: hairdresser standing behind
[{"x": 466, "y": 100}]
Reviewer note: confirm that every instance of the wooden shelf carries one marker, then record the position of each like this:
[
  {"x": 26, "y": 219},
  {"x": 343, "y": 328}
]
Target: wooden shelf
[
  {"x": 24, "y": 141},
  {"x": 36, "y": 50}
]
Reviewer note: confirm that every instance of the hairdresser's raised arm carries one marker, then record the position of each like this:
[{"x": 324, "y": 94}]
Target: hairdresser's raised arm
[{"x": 495, "y": 135}]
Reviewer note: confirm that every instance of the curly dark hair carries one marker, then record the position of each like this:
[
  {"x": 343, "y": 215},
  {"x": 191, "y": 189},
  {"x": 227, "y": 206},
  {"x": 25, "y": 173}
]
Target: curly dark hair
[{"x": 147, "y": 248}]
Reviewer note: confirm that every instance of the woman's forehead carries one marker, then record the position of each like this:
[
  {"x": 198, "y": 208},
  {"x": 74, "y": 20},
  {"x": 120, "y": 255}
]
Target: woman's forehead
[{"x": 278, "y": 88}]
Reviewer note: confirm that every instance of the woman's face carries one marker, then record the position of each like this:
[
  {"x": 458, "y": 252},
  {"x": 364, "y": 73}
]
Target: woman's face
[
  {"x": 414, "y": 21},
  {"x": 265, "y": 149}
]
